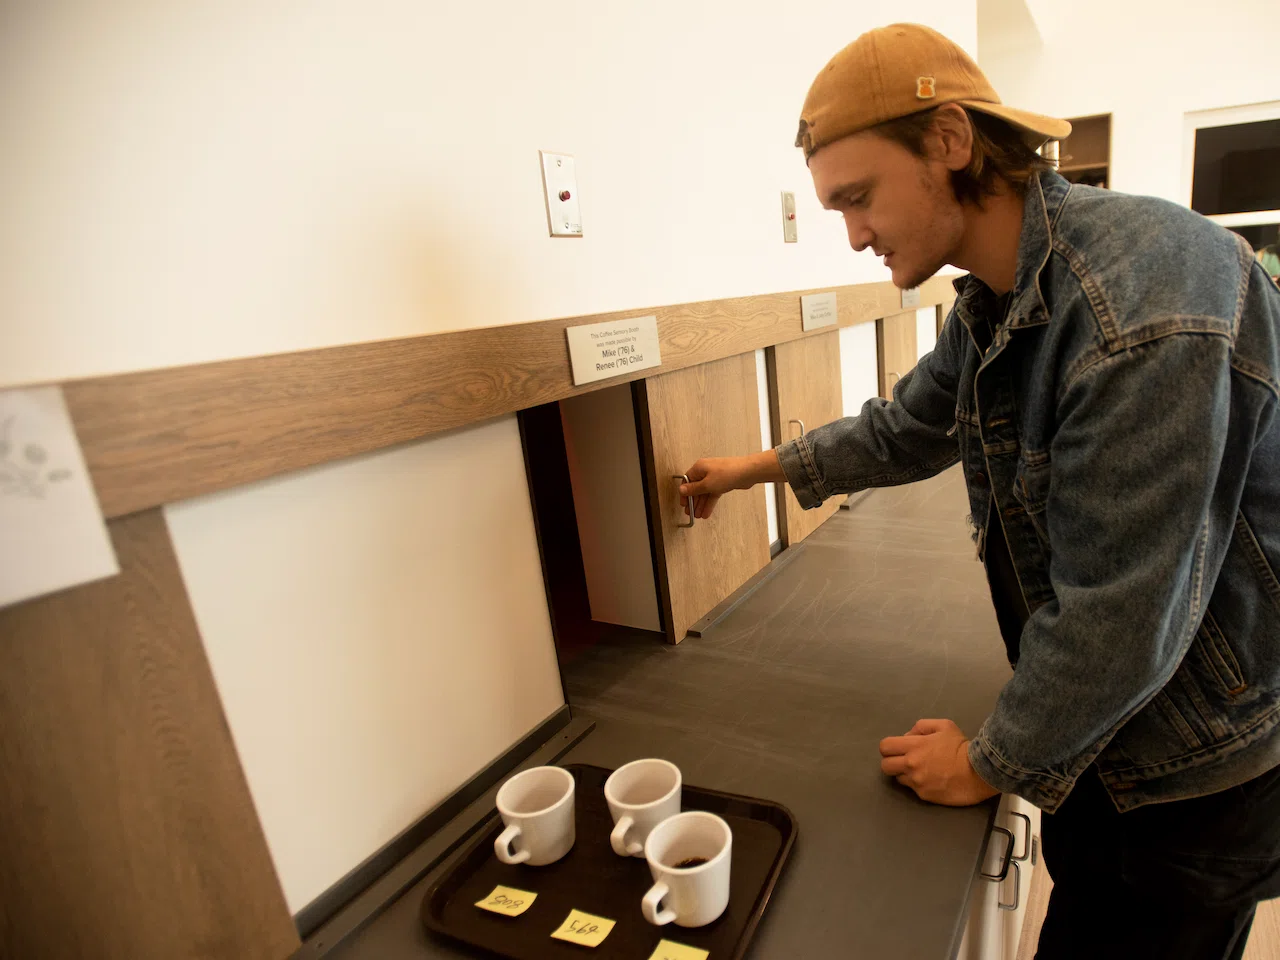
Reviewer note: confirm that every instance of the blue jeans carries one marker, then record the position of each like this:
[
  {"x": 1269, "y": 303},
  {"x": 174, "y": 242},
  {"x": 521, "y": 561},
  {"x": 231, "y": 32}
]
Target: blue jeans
[{"x": 1174, "y": 881}]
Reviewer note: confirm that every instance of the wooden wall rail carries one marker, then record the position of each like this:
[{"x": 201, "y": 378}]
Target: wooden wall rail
[{"x": 165, "y": 435}]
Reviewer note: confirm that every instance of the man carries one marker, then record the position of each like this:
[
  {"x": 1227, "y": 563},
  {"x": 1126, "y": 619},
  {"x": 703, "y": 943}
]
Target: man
[
  {"x": 1269, "y": 257},
  {"x": 1108, "y": 381}
]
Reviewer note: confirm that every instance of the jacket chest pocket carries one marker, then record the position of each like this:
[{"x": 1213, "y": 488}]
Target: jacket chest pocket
[
  {"x": 1031, "y": 490},
  {"x": 969, "y": 443},
  {"x": 965, "y": 431}
]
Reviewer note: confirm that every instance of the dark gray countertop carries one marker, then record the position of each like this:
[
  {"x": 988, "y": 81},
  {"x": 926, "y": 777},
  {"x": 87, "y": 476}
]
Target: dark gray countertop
[{"x": 881, "y": 619}]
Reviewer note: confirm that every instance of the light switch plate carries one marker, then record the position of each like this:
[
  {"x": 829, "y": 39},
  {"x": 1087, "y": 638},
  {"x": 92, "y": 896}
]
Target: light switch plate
[
  {"x": 910, "y": 298},
  {"x": 789, "y": 234},
  {"x": 560, "y": 184}
]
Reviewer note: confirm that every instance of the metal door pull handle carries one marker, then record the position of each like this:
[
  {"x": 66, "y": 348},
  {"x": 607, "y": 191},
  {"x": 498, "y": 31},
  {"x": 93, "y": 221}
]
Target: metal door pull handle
[
  {"x": 1006, "y": 860},
  {"x": 1026, "y": 849},
  {"x": 1017, "y": 890},
  {"x": 801, "y": 422},
  {"x": 684, "y": 478}
]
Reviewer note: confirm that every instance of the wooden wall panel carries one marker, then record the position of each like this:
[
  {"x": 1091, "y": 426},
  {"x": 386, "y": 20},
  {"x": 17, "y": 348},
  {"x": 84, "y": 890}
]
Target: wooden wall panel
[
  {"x": 166, "y": 435},
  {"x": 712, "y": 410},
  {"x": 804, "y": 385},
  {"x": 126, "y": 824},
  {"x": 896, "y": 348},
  {"x": 944, "y": 310}
]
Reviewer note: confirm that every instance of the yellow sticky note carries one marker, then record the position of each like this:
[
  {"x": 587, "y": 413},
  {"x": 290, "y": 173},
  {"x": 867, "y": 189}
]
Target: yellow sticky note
[
  {"x": 584, "y": 928},
  {"x": 507, "y": 901},
  {"x": 669, "y": 950}
]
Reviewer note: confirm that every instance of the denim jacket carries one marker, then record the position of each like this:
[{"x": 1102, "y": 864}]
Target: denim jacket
[{"x": 1122, "y": 429}]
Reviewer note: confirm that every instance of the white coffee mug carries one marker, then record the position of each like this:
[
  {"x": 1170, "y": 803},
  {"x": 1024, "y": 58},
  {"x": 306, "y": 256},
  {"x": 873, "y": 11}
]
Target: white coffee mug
[
  {"x": 640, "y": 794},
  {"x": 694, "y": 895},
  {"x": 537, "y": 807}
]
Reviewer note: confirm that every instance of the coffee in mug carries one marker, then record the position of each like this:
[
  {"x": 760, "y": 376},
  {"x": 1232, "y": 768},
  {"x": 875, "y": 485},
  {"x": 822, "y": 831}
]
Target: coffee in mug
[{"x": 689, "y": 857}]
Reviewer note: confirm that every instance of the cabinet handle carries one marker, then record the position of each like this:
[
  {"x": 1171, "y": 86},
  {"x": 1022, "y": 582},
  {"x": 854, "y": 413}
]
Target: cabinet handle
[
  {"x": 801, "y": 422},
  {"x": 684, "y": 478},
  {"x": 1035, "y": 850},
  {"x": 1026, "y": 849},
  {"x": 1008, "y": 858},
  {"x": 1017, "y": 890},
  {"x": 894, "y": 374}
]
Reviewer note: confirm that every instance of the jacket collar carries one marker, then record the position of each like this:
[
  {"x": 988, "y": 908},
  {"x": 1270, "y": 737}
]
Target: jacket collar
[{"x": 1045, "y": 197}]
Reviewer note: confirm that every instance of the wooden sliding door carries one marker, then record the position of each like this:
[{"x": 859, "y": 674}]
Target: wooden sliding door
[
  {"x": 708, "y": 410},
  {"x": 804, "y": 380},
  {"x": 896, "y": 346}
]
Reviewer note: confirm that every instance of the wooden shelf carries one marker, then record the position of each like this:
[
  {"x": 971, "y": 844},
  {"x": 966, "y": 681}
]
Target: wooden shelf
[{"x": 1089, "y": 145}]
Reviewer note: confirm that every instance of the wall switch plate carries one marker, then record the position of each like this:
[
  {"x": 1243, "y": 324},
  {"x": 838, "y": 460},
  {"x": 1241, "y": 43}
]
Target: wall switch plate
[
  {"x": 788, "y": 217},
  {"x": 910, "y": 298},
  {"x": 560, "y": 185}
]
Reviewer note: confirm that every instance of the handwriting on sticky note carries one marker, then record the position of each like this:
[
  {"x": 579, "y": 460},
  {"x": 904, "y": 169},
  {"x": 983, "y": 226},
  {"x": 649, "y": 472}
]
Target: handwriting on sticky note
[
  {"x": 507, "y": 901},
  {"x": 670, "y": 950},
  {"x": 584, "y": 928}
]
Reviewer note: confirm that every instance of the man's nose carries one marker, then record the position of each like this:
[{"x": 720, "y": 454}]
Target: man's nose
[{"x": 860, "y": 236}]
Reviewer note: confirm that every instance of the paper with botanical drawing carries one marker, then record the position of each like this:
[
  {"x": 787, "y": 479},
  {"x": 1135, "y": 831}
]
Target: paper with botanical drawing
[{"x": 51, "y": 528}]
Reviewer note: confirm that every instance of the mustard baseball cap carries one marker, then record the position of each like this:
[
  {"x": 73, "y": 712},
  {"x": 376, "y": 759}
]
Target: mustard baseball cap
[{"x": 901, "y": 69}]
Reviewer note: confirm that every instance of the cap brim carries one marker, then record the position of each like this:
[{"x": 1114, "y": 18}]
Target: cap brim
[{"x": 1036, "y": 127}]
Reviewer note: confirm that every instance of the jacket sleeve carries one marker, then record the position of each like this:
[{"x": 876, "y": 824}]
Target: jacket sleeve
[
  {"x": 890, "y": 442},
  {"x": 1132, "y": 472}
]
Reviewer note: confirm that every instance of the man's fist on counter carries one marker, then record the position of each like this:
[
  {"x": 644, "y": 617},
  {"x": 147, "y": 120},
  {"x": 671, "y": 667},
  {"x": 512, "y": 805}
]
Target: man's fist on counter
[{"x": 933, "y": 760}]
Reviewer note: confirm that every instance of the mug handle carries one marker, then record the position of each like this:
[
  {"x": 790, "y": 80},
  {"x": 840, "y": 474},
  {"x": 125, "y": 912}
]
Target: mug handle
[
  {"x": 649, "y": 905},
  {"x": 502, "y": 846},
  {"x": 619, "y": 839}
]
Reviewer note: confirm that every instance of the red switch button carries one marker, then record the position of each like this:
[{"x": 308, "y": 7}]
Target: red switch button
[
  {"x": 564, "y": 194},
  {"x": 791, "y": 216}
]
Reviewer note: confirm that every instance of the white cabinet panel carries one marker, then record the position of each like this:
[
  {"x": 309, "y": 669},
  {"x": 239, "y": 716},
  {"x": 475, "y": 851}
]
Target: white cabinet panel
[
  {"x": 767, "y": 442},
  {"x": 378, "y": 630},
  {"x": 998, "y": 910},
  {"x": 609, "y": 503},
  {"x": 1023, "y": 820}
]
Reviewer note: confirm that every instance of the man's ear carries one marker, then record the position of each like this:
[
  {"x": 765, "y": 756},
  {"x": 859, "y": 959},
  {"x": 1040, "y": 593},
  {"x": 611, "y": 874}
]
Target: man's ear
[{"x": 950, "y": 140}]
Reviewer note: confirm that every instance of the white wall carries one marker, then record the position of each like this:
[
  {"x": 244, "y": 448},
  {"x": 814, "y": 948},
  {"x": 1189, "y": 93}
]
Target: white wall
[
  {"x": 767, "y": 442},
  {"x": 378, "y": 631},
  {"x": 1144, "y": 62},
  {"x": 609, "y": 502},
  {"x": 859, "y": 371},
  {"x": 926, "y": 330},
  {"x": 193, "y": 181},
  {"x": 184, "y": 182}
]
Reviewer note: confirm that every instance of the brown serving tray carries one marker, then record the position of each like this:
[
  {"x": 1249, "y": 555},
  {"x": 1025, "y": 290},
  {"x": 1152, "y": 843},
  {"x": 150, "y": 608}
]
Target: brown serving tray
[{"x": 594, "y": 879}]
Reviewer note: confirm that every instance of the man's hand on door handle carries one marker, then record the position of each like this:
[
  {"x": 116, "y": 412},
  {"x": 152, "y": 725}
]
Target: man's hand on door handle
[{"x": 712, "y": 477}]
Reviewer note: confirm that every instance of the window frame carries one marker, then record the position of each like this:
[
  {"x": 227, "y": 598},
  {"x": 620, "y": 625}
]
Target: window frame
[{"x": 1223, "y": 117}]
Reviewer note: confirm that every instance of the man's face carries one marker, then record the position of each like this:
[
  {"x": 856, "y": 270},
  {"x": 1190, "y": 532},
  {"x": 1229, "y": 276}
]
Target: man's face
[{"x": 900, "y": 205}]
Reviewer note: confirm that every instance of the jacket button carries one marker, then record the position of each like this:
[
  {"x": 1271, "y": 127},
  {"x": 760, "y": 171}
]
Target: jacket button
[{"x": 980, "y": 479}]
